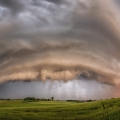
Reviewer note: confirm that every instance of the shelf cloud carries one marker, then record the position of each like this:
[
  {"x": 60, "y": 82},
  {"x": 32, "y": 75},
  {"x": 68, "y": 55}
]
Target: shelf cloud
[{"x": 60, "y": 40}]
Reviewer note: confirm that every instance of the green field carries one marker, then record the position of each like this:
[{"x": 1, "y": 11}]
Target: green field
[{"x": 60, "y": 110}]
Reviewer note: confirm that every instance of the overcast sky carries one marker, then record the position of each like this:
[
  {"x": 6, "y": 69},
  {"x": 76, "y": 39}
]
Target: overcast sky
[{"x": 60, "y": 41}]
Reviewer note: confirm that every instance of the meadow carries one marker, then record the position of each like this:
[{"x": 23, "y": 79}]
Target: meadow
[{"x": 60, "y": 110}]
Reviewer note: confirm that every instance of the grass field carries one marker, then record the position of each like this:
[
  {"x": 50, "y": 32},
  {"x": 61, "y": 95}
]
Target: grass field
[{"x": 60, "y": 110}]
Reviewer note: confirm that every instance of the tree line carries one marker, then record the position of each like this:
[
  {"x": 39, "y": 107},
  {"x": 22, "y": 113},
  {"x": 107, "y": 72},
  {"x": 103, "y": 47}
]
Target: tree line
[{"x": 33, "y": 99}]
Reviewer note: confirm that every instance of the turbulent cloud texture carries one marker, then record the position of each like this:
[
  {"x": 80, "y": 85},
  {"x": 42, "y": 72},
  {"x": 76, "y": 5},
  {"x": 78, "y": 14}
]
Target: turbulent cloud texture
[{"x": 60, "y": 40}]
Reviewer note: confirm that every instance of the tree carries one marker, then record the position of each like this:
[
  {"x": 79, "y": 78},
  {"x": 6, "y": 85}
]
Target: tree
[{"x": 52, "y": 98}]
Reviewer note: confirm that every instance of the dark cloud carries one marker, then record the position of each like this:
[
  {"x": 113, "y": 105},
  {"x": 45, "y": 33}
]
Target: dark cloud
[
  {"x": 57, "y": 1},
  {"x": 14, "y": 6},
  {"x": 63, "y": 41}
]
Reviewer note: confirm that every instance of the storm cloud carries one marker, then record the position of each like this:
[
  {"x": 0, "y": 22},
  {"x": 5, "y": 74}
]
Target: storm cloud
[{"x": 59, "y": 40}]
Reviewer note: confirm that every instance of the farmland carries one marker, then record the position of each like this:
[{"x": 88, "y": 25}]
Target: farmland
[{"x": 60, "y": 110}]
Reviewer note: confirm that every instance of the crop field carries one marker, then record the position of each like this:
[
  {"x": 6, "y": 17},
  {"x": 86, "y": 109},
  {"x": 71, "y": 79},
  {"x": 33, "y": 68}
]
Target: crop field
[{"x": 60, "y": 110}]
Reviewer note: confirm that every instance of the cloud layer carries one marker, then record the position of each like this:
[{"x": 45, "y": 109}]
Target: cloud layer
[{"x": 59, "y": 40}]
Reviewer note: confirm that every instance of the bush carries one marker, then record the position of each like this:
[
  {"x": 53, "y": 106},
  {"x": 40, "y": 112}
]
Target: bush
[{"x": 31, "y": 99}]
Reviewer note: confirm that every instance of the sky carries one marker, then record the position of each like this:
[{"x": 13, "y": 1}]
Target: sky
[{"x": 71, "y": 44}]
